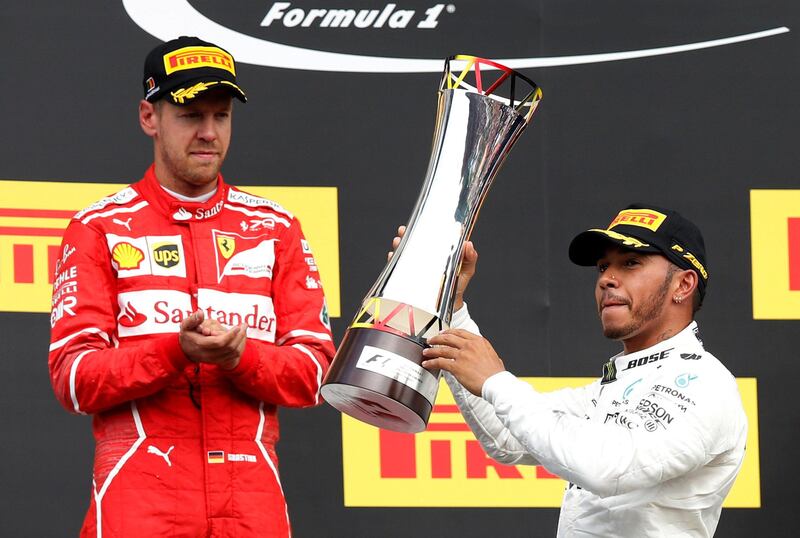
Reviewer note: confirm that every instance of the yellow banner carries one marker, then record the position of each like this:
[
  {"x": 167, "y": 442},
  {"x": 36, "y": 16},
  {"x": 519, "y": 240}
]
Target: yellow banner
[
  {"x": 775, "y": 239},
  {"x": 446, "y": 467},
  {"x": 34, "y": 214}
]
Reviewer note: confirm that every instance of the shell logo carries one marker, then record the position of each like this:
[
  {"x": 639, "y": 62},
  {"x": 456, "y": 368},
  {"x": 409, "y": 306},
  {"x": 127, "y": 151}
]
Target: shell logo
[{"x": 127, "y": 256}]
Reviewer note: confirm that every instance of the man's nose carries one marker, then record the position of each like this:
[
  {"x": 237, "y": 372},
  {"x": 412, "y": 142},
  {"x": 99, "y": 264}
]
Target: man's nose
[
  {"x": 607, "y": 280},
  {"x": 207, "y": 130}
]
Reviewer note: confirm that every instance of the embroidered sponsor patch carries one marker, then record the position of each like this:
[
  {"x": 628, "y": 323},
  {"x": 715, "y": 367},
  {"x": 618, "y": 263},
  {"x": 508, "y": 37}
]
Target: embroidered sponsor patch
[
  {"x": 157, "y": 255},
  {"x": 232, "y": 309},
  {"x": 195, "y": 57},
  {"x": 216, "y": 456},
  {"x": 122, "y": 197},
  {"x": 323, "y": 315},
  {"x": 126, "y": 256},
  {"x": 644, "y": 218},
  {"x": 244, "y": 198},
  {"x": 249, "y": 458},
  {"x": 237, "y": 255},
  {"x": 152, "y": 311},
  {"x": 166, "y": 254}
]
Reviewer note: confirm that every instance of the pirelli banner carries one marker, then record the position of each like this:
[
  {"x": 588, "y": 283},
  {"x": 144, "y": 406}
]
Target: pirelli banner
[
  {"x": 680, "y": 104},
  {"x": 30, "y": 238},
  {"x": 446, "y": 466},
  {"x": 775, "y": 229}
]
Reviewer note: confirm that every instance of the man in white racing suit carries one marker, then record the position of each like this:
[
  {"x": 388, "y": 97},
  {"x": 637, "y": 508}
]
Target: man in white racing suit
[{"x": 653, "y": 447}]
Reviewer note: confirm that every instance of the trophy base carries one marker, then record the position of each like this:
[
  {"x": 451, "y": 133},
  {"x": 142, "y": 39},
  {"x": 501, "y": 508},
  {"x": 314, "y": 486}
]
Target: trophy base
[{"x": 376, "y": 378}]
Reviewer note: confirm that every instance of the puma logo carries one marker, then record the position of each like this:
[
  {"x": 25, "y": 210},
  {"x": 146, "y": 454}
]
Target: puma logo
[
  {"x": 154, "y": 450},
  {"x": 126, "y": 223}
]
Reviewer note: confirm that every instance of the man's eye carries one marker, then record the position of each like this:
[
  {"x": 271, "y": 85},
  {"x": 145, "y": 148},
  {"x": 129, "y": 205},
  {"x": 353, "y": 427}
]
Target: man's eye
[
  {"x": 631, "y": 262},
  {"x": 601, "y": 267}
]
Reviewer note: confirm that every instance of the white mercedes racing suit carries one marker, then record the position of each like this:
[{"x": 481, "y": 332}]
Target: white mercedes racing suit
[{"x": 650, "y": 450}]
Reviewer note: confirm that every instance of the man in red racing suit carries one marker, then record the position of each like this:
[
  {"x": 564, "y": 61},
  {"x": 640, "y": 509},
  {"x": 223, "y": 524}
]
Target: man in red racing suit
[{"x": 181, "y": 324}]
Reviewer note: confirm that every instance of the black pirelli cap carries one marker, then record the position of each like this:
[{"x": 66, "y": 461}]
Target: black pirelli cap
[
  {"x": 646, "y": 228},
  {"x": 183, "y": 68}
]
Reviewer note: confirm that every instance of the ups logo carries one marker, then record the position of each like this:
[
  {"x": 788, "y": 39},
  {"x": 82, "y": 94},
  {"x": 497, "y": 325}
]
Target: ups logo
[{"x": 167, "y": 255}]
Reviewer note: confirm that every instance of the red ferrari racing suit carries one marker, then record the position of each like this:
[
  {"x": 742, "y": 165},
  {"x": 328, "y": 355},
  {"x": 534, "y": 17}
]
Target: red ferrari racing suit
[{"x": 182, "y": 448}]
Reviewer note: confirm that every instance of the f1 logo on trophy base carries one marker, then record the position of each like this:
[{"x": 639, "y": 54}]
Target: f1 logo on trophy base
[{"x": 376, "y": 375}]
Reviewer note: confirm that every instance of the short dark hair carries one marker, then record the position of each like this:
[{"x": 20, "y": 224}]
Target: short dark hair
[{"x": 697, "y": 301}]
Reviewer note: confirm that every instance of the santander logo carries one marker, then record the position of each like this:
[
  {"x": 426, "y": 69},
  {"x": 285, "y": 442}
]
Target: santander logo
[
  {"x": 161, "y": 311},
  {"x": 167, "y": 19},
  {"x": 182, "y": 214},
  {"x": 130, "y": 317}
]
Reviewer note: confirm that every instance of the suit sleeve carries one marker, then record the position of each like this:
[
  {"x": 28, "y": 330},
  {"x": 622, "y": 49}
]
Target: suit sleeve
[
  {"x": 608, "y": 459},
  {"x": 290, "y": 371},
  {"x": 496, "y": 439},
  {"x": 88, "y": 372}
]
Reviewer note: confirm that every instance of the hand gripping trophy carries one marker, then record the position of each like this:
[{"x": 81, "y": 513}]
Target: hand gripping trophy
[{"x": 376, "y": 375}]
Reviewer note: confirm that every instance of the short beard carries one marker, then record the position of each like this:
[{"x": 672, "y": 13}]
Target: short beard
[
  {"x": 648, "y": 311},
  {"x": 184, "y": 174}
]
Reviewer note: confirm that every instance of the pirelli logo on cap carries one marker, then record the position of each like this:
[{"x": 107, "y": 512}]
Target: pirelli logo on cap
[
  {"x": 194, "y": 57},
  {"x": 445, "y": 466},
  {"x": 646, "y": 218}
]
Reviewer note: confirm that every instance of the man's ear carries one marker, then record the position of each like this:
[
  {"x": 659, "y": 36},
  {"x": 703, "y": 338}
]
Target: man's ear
[
  {"x": 148, "y": 117},
  {"x": 687, "y": 281}
]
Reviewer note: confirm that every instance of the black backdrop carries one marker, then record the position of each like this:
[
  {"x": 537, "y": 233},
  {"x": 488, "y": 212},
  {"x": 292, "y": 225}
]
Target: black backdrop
[{"x": 695, "y": 131}]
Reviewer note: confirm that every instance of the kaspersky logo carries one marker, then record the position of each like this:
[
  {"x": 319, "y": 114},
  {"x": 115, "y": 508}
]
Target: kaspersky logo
[{"x": 185, "y": 19}]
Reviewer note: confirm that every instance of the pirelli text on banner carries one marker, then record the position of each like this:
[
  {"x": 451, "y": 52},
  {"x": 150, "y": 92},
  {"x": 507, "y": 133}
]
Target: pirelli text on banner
[{"x": 445, "y": 465}]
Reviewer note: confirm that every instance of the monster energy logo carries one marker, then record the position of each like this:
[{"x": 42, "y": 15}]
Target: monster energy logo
[{"x": 609, "y": 372}]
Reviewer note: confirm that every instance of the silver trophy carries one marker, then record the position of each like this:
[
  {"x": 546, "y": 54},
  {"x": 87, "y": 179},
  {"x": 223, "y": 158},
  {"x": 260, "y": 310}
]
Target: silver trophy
[{"x": 376, "y": 375}]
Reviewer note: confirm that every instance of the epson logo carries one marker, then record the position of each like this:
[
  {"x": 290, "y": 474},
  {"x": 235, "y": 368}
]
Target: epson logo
[{"x": 389, "y": 16}]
